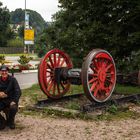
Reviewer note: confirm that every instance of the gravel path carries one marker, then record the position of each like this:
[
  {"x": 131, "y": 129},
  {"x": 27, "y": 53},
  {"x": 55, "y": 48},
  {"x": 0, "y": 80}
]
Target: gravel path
[{"x": 36, "y": 128}]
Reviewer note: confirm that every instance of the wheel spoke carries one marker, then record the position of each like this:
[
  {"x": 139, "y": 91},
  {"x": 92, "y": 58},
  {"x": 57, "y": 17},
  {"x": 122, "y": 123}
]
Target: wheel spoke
[
  {"x": 110, "y": 81},
  {"x": 58, "y": 89},
  {"x": 96, "y": 64},
  {"x": 108, "y": 67},
  {"x": 48, "y": 71},
  {"x": 54, "y": 59},
  {"x": 54, "y": 88},
  {"x": 93, "y": 86},
  {"x": 58, "y": 60},
  {"x": 50, "y": 86},
  {"x": 50, "y": 59},
  {"x": 104, "y": 65},
  {"x": 112, "y": 73},
  {"x": 62, "y": 85},
  {"x": 63, "y": 61},
  {"x": 49, "y": 66},
  {"x": 49, "y": 80},
  {"x": 96, "y": 91},
  {"x": 92, "y": 80},
  {"x": 95, "y": 70}
]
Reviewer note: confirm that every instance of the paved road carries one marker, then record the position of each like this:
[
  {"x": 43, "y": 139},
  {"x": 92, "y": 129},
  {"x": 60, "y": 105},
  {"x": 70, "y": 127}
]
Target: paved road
[{"x": 27, "y": 79}]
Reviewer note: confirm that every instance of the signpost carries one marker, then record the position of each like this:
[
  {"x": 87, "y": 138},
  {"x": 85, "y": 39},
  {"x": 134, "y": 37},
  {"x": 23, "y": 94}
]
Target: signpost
[
  {"x": 28, "y": 32},
  {"x": 29, "y": 36}
]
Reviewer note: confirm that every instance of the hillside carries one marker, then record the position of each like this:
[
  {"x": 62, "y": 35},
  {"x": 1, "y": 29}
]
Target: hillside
[{"x": 36, "y": 20}]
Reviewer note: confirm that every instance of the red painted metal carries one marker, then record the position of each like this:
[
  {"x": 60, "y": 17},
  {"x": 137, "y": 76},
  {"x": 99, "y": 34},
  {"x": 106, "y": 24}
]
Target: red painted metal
[
  {"x": 46, "y": 75},
  {"x": 98, "y": 75}
]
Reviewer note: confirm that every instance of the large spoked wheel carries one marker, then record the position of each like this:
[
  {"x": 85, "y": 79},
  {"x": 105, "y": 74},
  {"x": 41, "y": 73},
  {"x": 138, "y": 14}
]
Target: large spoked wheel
[
  {"x": 98, "y": 75},
  {"x": 46, "y": 74}
]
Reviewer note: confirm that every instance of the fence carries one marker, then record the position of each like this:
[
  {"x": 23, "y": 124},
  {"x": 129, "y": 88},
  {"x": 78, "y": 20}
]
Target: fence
[{"x": 11, "y": 50}]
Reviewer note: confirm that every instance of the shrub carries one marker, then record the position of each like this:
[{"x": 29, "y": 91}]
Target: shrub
[
  {"x": 15, "y": 43},
  {"x": 24, "y": 59},
  {"x": 2, "y": 59},
  {"x": 129, "y": 64}
]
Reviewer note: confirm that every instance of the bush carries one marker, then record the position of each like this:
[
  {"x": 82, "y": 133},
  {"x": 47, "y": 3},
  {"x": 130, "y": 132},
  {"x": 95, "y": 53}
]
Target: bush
[
  {"x": 41, "y": 50},
  {"x": 15, "y": 43},
  {"x": 2, "y": 59},
  {"x": 24, "y": 59},
  {"x": 129, "y": 64}
]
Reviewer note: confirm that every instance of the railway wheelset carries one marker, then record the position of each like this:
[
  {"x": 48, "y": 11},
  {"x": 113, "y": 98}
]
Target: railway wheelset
[{"x": 97, "y": 75}]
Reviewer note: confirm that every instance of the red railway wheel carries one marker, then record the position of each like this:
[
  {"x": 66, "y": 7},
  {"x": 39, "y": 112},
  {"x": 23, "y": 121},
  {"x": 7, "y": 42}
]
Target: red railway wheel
[
  {"x": 46, "y": 73},
  {"x": 98, "y": 75}
]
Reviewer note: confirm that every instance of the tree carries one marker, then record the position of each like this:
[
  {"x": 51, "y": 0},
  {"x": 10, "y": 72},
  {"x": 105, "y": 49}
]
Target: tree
[
  {"x": 86, "y": 24},
  {"x": 4, "y": 25},
  {"x": 36, "y": 21}
]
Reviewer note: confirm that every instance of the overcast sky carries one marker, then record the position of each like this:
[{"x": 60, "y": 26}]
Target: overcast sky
[{"x": 44, "y": 7}]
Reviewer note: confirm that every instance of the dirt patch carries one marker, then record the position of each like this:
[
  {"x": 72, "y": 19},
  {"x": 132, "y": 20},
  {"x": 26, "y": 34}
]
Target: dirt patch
[
  {"x": 48, "y": 128},
  {"x": 37, "y": 128}
]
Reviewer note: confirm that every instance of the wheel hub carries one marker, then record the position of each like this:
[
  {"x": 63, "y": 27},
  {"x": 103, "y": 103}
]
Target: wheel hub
[{"x": 102, "y": 75}]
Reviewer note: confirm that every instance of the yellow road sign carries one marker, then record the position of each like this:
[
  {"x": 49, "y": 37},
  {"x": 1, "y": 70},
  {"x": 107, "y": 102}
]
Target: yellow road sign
[{"x": 28, "y": 34}]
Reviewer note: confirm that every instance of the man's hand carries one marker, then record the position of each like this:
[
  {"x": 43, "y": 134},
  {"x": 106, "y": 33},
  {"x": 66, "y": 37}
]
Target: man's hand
[
  {"x": 3, "y": 95},
  {"x": 12, "y": 103}
]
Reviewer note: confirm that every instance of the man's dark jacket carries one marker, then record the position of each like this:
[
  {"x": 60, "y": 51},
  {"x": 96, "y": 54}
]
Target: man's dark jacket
[{"x": 11, "y": 88}]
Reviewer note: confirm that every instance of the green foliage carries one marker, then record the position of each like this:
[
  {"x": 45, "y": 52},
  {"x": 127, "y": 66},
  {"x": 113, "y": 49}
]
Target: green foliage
[
  {"x": 15, "y": 43},
  {"x": 2, "y": 59},
  {"x": 5, "y": 32},
  {"x": 21, "y": 32},
  {"x": 41, "y": 51},
  {"x": 31, "y": 95},
  {"x": 24, "y": 59},
  {"x": 73, "y": 105},
  {"x": 41, "y": 47},
  {"x": 127, "y": 89},
  {"x": 83, "y": 25},
  {"x": 36, "y": 21},
  {"x": 129, "y": 64},
  {"x": 112, "y": 109}
]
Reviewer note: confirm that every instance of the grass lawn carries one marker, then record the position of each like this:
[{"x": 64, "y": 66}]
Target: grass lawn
[
  {"x": 31, "y": 95},
  {"x": 32, "y": 55},
  {"x": 127, "y": 89},
  {"x": 35, "y": 92}
]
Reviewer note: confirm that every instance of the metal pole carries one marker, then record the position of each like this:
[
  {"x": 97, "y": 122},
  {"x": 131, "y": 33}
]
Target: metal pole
[
  {"x": 25, "y": 5},
  {"x": 25, "y": 26}
]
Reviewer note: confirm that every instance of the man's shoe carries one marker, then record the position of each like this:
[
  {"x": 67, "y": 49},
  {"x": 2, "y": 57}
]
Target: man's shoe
[
  {"x": 2, "y": 122},
  {"x": 12, "y": 126}
]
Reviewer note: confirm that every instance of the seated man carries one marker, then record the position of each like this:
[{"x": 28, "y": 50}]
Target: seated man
[{"x": 9, "y": 95}]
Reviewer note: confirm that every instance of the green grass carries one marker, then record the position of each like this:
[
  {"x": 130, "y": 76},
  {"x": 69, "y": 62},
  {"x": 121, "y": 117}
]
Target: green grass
[
  {"x": 127, "y": 89},
  {"x": 72, "y": 105},
  {"x": 121, "y": 114},
  {"x": 34, "y": 94},
  {"x": 36, "y": 91},
  {"x": 31, "y": 95},
  {"x": 32, "y": 55}
]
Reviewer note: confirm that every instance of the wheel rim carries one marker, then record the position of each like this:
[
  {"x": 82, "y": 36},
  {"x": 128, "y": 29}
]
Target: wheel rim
[
  {"x": 53, "y": 59},
  {"x": 99, "y": 75}
]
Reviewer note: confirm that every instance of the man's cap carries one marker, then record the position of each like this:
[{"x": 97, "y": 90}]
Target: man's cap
[{"x": 4, "y": 67}]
